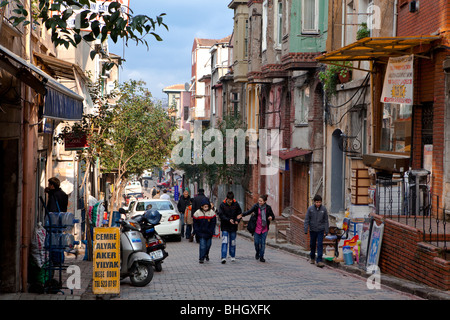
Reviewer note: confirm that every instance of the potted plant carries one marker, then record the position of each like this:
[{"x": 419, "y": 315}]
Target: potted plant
[
  {"x": 333, "y": 75},
  {"x": 363, "y": 31}
]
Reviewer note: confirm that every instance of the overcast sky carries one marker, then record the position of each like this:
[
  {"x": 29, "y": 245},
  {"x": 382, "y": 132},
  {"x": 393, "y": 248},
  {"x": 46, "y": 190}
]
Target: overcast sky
[{"x": 169, "y": 62}]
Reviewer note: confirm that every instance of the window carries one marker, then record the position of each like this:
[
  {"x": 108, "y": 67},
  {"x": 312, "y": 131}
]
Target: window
[
  {"x": 302, "y": 96},
  {"x": 396, "y": 128},
  {"x": 156, "y": 205},
  {"x": 246, "y": 40},
  {"x": 235, "y": 103},
  {"x": 264, "y": 27},
  {"x": 280, "y": 23},
  {"x": 186, "y": 113},
  {"x": 310, "y": 16}
]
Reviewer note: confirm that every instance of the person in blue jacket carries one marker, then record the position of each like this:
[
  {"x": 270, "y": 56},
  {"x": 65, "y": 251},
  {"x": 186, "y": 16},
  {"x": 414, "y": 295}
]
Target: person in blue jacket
[{"x": 204, "y": 228}]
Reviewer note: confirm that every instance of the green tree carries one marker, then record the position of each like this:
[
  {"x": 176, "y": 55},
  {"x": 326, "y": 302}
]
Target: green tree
[
  {"x": 118, "y": 22},
  {"x": 129, "y": 137},
  {"x": 213, "y": 174}
]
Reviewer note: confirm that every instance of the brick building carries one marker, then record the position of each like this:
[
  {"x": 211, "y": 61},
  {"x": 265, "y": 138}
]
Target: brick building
[{"x": 406, "y": 141}]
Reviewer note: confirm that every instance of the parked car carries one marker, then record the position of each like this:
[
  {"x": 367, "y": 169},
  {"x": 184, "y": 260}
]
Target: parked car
[
  {"x": 163, "y": 184},
  {"x": 133, "y": 187},
  {"x": 136, "y": 195},
  {"x": 170, "y": 224}
]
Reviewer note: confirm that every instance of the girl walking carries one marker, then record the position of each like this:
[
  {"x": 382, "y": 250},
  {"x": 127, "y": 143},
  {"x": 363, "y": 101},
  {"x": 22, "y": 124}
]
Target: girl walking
[
  {"x": 204, "y": 228},
  {"x": 264, "y": 215}
]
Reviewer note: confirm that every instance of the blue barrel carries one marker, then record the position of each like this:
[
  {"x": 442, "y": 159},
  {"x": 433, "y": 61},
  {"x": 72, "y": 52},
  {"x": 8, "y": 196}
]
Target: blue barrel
[{"x": 348, "y": 255}]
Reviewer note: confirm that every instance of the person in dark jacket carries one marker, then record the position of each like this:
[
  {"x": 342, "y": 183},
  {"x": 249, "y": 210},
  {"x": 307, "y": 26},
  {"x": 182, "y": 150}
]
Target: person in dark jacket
[
  {"x": 317, "y": 221},
  {"x": 204, "y": 228},
  {"x": 196, "y": 202},
  {"x": 182, "y": 204},
  {"x": 229, "y": 210},
  {"x": 264, "y": 214},
  {"x": 57, "y": 200}
]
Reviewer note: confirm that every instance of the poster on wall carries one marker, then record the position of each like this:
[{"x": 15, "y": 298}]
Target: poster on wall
[
  {"x": 398, "y": 87},
  {"x": 364, "y": 237},
  {"x": 374, "y": 249}
]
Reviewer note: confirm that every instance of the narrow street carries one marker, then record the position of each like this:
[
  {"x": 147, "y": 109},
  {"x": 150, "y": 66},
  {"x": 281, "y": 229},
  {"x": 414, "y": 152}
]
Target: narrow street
[{"x": 284, "y": 276}]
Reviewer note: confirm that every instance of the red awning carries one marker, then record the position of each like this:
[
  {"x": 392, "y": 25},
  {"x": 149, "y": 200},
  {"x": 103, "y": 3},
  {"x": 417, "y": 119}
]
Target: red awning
[{"x": 291, "y": 153}]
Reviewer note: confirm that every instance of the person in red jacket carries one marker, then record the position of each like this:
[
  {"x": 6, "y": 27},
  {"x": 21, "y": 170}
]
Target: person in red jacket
[{"x": 204, "y": 228}]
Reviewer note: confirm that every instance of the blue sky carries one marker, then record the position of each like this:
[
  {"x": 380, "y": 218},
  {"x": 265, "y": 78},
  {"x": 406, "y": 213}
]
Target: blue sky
[{"x": 169, "y": 62}]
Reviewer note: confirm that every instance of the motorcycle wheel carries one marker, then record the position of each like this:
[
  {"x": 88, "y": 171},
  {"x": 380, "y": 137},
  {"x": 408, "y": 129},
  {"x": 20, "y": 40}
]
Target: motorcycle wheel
[
  {"x": 142, "y": 275},
  {"x": 158, "y": 266}
]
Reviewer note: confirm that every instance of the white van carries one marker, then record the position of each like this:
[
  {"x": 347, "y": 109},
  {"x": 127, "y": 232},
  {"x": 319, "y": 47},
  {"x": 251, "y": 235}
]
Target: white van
[{"x": 133, "y": 187}]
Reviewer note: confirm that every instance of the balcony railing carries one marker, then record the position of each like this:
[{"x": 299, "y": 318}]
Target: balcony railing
[{"x": 410, "y": 201}]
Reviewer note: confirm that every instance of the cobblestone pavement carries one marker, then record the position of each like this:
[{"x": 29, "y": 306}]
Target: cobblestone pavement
[{"x": 284, "y": 276}]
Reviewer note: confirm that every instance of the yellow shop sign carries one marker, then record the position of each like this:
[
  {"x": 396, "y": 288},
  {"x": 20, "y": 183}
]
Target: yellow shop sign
[{"x": 106, "y": 269}]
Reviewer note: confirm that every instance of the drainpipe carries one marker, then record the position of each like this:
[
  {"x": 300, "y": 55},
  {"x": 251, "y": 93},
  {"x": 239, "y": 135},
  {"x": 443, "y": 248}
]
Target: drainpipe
[
  {"x": 324, "y": 152},
  {"x": 394, "y": 27},
  {"x": 27, "y": 180}
]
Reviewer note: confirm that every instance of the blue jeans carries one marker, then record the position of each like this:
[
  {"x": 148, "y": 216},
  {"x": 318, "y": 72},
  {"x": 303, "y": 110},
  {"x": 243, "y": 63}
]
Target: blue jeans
[
  {"x": 228, "y": 238},
  {"x": 260, "y": 243},
  {"x": 188, "y": 230},
  {"x": 182, "y": 224},
  {"x": 316, "y": 237},
  {"x": 205, "y": 245}
]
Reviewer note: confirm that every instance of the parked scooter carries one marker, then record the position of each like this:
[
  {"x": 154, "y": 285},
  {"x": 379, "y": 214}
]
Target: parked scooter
[
  {"x": 135, "y": 261},
  {"x": 155, "y": 244}
]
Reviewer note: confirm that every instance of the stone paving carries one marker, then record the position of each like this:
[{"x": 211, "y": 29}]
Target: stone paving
[{"x": 284, "y": 276}]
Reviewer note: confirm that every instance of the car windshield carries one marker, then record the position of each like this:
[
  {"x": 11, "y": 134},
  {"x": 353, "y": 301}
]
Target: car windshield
[
  {"x": 157, "y": 205},
  {"x": 141, "y": 195}
]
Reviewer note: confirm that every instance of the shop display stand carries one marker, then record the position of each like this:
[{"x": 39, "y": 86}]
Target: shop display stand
[{"x": 56, "y": 243}]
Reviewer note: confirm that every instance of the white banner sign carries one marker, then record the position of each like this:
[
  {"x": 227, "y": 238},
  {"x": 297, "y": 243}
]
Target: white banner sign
[{"x": 398, "y": 84}]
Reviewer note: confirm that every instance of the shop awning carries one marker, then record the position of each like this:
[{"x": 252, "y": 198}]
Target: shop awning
[
  {"x": 60, "y": 68},
  {"x": 382, "y": 47},
  {"x": 60, "y": 103},
  {"x": 291, "y": 153}
]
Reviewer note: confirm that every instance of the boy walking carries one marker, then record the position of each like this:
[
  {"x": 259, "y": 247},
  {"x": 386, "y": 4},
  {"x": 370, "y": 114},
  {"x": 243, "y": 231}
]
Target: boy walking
[
  {"x": 204, "y": 228},
  {"x": 229, "y": 210},
  {"x": 317, "y": 222}
]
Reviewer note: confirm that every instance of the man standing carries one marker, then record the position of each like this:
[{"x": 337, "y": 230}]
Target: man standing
[
  {"x": 165, "y": 195},
  {"x": 229, "y": 210},
  {"x": 57, "y": 199},
  {"x": 196, "y": 202},
  {"x": 317, "y": 221},
  {"x": 182, "y": 204},
  {"x": 153, "y": 192}
]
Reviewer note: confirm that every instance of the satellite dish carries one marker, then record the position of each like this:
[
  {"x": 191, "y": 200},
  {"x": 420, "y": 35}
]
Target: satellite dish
[{"x": 186, "y": 86}]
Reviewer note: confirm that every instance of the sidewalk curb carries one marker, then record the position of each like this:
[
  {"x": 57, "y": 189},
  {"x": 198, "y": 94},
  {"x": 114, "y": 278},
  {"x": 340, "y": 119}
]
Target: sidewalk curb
[{"x": 406, "y": 286}]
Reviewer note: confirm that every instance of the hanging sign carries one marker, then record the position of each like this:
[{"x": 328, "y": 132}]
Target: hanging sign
[
  {"x": 398, "y": 84},
  {"x": 75, "y": 141},
  {"x": 106, "y": 269},
  {"x": 176, "y": 193}
]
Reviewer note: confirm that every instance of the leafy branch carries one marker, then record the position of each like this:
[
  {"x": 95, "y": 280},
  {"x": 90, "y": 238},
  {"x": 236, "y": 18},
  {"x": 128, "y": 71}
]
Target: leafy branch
[{"x": 117, "y": 22}]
